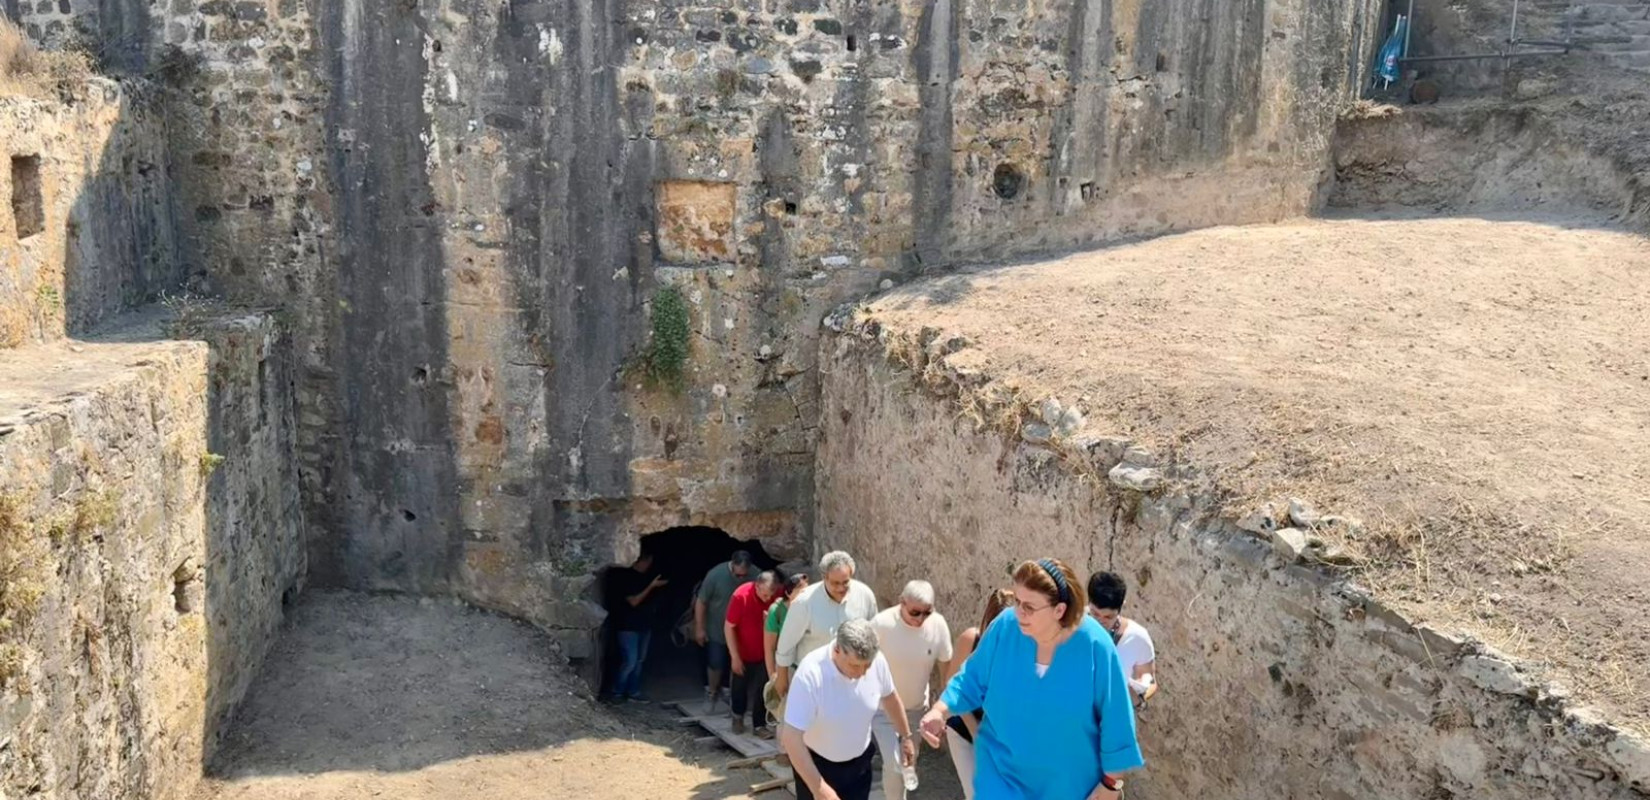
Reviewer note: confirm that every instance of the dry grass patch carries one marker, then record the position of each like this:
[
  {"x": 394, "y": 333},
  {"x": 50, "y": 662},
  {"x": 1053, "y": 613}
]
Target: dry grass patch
[{"x": 28, "y": 70}]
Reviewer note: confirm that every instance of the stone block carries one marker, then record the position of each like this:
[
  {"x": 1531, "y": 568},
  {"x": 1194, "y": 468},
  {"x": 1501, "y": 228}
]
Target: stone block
[{"x": 696, "y": 221}]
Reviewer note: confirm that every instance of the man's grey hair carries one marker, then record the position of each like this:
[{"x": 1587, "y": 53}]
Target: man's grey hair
[
  {"x": 834, "y": 560},
  {"x": 766, "y": 578},
  {"x": 918, "y": 592},
  {"x": 858, "y": 639}
]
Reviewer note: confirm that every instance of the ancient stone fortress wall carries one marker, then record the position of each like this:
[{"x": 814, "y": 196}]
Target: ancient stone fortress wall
[
  {"x": 150, "y": 528},
  {"x": 479, "y": 322},
  {"x": 85, "y": 185},
  {"x": 1282, "y": 678}
]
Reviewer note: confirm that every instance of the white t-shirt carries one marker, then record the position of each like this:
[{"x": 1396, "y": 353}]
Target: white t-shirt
[
  {"x": 1134, "y": 648},
  {"x": 833, "y": 712},
  {"x": 912, "y": 652}
]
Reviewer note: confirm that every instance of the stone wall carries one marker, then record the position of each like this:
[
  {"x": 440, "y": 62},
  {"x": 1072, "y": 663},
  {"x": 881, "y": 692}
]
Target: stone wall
[
  {"x": 149, "y": 532},
  {"x": 1279, "y": 679},
  {"x": 469, "y": 207},
  {"x": 90, "y": 179}
]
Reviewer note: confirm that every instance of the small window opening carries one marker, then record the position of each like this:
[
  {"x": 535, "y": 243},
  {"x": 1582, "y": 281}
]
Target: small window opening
[
  {"x": 27, "y": 206},
  {"x": 853, "y": 44}
]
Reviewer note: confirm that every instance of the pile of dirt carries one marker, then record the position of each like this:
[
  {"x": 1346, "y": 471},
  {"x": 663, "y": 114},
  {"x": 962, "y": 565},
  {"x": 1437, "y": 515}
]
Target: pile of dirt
[
  {"x": 1475, "y": 392},
  {"x": 377, "y": 696}
]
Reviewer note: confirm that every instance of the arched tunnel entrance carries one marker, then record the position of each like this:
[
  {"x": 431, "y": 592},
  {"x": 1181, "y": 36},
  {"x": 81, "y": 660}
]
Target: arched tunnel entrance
[{"x": 675, "y": 664}]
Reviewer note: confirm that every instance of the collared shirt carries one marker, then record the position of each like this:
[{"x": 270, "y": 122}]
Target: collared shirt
[{"x": 813, "y": 619}]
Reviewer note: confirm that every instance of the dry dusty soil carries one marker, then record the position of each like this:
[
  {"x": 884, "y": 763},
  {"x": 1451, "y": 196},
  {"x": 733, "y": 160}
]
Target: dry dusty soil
[
  {"x": 393, "y": 697},
  {"x": 1475, "y": 391},
  {"x": 372, "y": 696}
]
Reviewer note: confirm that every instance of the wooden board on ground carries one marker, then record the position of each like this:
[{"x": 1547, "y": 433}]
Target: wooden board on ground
[{"x": 721, "y": 724}]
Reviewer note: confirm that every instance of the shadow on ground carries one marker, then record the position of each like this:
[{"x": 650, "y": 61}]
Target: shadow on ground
[
  {"x": 373, "y": 695},
  {"x": 410, "y": 698}
]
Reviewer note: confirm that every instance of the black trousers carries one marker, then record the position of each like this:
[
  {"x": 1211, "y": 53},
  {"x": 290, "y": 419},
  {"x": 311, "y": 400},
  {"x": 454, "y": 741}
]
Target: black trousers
[
  {"x": 747, "y": 692},
  {"x": 851, "y": 779}
]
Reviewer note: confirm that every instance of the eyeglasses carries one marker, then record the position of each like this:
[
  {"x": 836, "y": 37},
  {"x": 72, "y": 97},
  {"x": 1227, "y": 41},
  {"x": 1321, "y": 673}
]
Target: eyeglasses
[
  {"x": 919, "y": 614},
  {"x": 1028, "y": 610}
]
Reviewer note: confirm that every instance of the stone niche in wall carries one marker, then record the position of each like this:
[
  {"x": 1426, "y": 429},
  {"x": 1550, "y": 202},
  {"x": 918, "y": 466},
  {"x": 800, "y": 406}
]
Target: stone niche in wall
[{"x": 695, "y": 221}]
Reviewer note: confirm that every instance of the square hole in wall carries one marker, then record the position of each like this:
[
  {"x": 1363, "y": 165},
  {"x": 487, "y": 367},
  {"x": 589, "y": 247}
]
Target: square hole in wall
[{"x": 28, "y": 208}]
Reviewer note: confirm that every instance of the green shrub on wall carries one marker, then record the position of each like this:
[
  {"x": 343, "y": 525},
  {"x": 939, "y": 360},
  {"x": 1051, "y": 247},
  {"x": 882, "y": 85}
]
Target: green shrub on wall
[{"x": 665, "y": 359}]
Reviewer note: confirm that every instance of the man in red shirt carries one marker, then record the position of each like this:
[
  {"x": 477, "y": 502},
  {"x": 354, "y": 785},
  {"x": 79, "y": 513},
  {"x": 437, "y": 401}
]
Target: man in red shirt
[{"x": 746, "y": 612}]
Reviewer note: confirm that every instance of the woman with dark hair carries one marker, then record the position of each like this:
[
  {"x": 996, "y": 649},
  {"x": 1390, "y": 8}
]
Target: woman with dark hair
[
  {"x": 1058, "y": 723},
  {"x": 961, "y": 729}
]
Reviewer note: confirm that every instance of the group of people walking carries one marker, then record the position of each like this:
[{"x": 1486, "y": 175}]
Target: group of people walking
[{"x": 1037, "y": 701}]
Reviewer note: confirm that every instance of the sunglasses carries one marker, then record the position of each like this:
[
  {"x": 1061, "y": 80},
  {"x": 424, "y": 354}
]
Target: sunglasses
[{"x": 919, "y": 614}]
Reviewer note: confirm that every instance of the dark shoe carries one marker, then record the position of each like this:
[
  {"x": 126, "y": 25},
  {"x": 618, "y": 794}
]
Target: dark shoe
[
  {"x": 764, "y": 732},
  {"x": 739, "y": 725},
  {"x": 638, "y": 698}
]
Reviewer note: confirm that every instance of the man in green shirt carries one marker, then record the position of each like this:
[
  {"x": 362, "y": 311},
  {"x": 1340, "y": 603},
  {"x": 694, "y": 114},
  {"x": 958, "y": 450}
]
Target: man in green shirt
[{"x": 711, "y": 605}]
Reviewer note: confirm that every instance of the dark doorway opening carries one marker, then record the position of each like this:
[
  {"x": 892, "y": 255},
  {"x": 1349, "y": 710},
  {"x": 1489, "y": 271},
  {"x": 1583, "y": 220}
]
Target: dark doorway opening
[{"x": 675, "y": 666}]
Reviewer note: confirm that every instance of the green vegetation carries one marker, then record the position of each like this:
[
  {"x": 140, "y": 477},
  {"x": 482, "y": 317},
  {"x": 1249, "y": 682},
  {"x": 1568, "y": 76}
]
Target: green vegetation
[
  {"x": 209, "y": 463},
  {"x": 665, "y": 360}
]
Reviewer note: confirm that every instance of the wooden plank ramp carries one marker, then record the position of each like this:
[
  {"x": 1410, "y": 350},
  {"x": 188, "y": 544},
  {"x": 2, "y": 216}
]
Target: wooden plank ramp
[{"x": 752, "y": 750}]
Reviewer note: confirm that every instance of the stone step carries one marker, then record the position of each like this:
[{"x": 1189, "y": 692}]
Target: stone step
[
  {"x": 1637, "y": 60},
  {"x": 1591, "y": 13},
  {"x": 1633, "y": 45}
]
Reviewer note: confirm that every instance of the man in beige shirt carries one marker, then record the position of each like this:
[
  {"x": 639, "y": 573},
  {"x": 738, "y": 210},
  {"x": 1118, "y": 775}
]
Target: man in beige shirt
[{"x": 914, "y": 639}]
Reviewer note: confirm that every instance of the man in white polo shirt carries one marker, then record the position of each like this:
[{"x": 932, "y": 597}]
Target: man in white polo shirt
[
  {"x": 914, "y": 639},
  {"x": 835, "y": 692}
]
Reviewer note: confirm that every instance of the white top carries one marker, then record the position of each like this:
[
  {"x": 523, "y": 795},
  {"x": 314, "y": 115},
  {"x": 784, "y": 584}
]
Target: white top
[
  {"x": 1042, "y": 669},
  {"x": 1134, "y": 648},
  {"x": 912, "y": 652},
  {"x": 833, "y": 712},
  {"x": 813, "y": 619}
]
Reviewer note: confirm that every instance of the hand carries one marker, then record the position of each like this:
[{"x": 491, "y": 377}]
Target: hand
[
  {"x": 825, "y": 792},
  {"x": 933, "y": 728},
  {"x": 782, "y": 683},
  {"x": 739, "y": 667},
  {"x": 1102, "y": 793},
  {"x": 658, "y": 580},
  {"x": 908, "y": 752},
  {"x": 699, "y": 636}
]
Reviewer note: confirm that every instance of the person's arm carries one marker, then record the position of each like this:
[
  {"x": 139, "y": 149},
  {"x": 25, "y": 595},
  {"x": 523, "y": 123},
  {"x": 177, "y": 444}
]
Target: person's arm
[
  {"x": 944, "y": 656},
  {"x": 736, "y": 663},
  {"x": 966, "y": 689},
  {"x": 770, "y": 642},
  {"x": 641, "y": 597},
  {"x": 960, "y": 654},
  {"x": 802, "y": 762},
  {"x": 800, "y": 710},
  {"x": 796, "y": 624},
  {"x": 1119, "y": 749},
  {"x": 701, "y": 602}
]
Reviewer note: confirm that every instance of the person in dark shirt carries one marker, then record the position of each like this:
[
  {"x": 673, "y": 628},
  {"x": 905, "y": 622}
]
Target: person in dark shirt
[{"x": 630, "y": 609}]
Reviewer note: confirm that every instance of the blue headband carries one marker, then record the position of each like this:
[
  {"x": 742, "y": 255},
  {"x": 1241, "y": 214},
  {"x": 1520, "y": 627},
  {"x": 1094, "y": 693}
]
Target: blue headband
[{"x": 1053, "y": 571}]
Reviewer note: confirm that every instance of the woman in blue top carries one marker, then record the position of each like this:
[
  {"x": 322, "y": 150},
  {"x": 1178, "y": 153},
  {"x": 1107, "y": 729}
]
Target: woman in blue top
[{"x": 1058, "y": 722}]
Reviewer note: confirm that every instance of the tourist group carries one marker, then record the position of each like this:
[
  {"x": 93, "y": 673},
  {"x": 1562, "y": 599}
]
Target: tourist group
[{"x": 1037, "y": 702}]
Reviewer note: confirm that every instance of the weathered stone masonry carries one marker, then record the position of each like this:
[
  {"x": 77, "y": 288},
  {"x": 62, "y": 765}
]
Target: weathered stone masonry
[
  {"x": 1280, "y": 679},
  {"x": 466, "y": 207},
  {"x": 150, "y": 527}
]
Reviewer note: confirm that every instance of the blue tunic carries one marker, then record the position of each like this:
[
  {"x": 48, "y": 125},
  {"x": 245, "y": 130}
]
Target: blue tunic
[{"x": 1045, "y": 738}]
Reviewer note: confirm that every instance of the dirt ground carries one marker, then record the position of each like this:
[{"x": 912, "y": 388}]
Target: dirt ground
[
  {"x": 1476, "y": 392},
  {"x": 375, "y": 696}
]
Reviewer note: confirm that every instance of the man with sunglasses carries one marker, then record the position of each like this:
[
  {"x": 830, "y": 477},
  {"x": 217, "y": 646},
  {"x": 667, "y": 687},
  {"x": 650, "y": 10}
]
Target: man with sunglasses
[{"x": 914, "y": 639}]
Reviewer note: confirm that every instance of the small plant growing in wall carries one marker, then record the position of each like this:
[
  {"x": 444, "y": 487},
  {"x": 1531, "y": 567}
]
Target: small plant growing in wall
[
  {"x": 209, "y": 464},
  {"x": 664, "y": 362}
]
